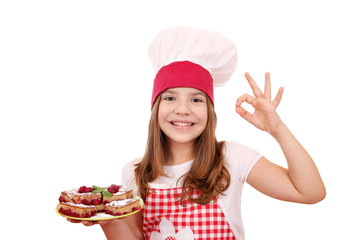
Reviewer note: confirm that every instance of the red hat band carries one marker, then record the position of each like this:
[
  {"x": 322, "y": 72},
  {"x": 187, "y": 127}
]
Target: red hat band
[{"x": 183, "y": 74}]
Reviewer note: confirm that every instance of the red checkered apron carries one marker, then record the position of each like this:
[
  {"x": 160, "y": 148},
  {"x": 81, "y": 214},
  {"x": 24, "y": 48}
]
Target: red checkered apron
[{"x": 205, "y": 221}]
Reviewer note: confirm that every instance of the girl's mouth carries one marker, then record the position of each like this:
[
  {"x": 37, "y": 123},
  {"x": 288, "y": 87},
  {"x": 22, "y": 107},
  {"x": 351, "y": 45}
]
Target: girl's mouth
[{"x": 182, "y": 124}]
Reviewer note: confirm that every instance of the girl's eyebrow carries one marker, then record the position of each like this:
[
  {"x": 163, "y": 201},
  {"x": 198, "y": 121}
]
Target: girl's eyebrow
[
  {"x": 169, "y": 91},
  {"x": 198, "y": 93},
  {"x": 194, "y": 92}
]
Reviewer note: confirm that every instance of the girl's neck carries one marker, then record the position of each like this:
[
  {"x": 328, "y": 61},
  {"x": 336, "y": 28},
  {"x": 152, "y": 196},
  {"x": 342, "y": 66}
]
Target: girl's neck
[{"x": 179, "y": 153}]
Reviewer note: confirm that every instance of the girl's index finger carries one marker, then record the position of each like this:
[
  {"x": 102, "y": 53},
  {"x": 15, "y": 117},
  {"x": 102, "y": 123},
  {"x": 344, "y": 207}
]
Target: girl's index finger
[{"x": 255, "y": 88}]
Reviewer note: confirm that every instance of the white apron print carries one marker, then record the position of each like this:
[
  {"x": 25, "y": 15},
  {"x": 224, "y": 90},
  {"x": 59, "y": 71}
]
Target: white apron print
[{"x": 167, "y": 232}]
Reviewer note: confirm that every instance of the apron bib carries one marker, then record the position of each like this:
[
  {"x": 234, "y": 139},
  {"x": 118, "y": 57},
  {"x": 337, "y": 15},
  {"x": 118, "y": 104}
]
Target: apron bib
[{"x": 166, "y": 219}]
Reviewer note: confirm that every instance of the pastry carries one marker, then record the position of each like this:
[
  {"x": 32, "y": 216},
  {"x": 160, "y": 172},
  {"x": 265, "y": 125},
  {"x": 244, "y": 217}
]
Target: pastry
[
  {"x": 77, "y": 210},
  {"x": 121, "y": 207},
  {"x": 85, "y": 202}
]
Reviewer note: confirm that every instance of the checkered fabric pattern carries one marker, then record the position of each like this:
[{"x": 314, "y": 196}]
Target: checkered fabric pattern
[
  {"x": 206, "y": 221},
  {"x": 170, "y": 238}
]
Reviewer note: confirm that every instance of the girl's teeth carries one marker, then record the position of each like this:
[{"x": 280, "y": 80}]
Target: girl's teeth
[{"x": 182, "y": 124}]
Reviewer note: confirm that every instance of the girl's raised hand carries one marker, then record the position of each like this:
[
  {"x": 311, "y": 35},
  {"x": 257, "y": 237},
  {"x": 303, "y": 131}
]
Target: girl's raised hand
[{"x": 265, "y": 116}]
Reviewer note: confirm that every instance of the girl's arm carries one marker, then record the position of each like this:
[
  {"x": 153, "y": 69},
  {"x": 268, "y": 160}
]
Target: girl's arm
[
  {"x": 301, "y": 182},
  {"x": 127, "y": 228}
]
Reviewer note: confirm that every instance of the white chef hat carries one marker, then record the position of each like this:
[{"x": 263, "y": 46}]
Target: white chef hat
[{"x": 188, "y": 57}]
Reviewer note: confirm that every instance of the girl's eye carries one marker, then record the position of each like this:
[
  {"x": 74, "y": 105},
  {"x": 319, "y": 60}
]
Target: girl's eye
[
  {"x": 197, "y": 100},
  {"x": 169, "y": 98}
]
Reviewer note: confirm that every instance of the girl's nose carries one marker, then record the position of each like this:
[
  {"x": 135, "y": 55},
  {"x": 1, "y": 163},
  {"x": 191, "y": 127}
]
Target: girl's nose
[{"x": 182, "y": 107}]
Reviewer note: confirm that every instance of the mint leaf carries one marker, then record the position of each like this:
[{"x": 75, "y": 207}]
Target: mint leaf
[
  {"x": 107, "y": 194},
  {"x": 100, "y": 189},
  {"x": 95, "y": 191}
]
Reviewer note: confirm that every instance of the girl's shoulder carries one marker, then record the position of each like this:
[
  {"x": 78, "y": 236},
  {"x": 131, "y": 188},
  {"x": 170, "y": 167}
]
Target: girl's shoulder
[
  {"x": 239, "y": 158},
  {"x": 128, "y": 175},
  {"x": 233, "y": 147},
  {"x": 131, "y": 165}
]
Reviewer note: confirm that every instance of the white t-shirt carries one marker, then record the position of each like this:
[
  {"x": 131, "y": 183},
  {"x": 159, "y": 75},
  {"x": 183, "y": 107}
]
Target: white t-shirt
[{"x": 239, "y": 161}]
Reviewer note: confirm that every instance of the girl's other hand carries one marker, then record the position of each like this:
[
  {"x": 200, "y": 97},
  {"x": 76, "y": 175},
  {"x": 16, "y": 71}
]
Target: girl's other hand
[{"x": 265, "y": 116}]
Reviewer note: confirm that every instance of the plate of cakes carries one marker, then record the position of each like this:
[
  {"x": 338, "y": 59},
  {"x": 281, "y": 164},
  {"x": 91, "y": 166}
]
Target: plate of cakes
[{"x": 98, "y": 203}]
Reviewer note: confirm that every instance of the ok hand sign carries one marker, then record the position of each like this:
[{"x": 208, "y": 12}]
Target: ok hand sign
[{"x": 265, "y": 116}]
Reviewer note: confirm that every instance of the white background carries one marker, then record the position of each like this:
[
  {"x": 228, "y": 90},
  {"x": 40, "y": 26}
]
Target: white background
[{"x": 75, "y": 88}]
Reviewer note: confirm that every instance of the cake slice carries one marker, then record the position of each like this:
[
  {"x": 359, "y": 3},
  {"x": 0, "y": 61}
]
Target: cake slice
[
  {"x": 77, "y": 210},
  {"x": 65, "y": 196},
  {"x": 115, "y": 193},
  {"x": 121, "y": 207},
  {"x": 82, "y": 195}
]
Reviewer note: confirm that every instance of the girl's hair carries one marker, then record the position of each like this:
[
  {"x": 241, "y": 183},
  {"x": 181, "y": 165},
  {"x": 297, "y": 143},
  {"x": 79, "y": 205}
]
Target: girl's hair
[{"x": 208, "y": 173}]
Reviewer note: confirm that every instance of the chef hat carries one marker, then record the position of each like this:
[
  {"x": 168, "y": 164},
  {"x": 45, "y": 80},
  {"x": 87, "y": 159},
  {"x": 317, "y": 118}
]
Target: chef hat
[{"x": 188, "y": 57}]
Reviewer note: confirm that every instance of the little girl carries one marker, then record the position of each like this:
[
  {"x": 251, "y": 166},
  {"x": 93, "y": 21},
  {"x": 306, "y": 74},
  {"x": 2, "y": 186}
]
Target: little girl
[{"x": 190, "y": 182}]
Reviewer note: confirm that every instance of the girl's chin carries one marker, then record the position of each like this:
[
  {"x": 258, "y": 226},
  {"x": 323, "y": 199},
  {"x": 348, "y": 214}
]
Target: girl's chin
[{"x": 180, "y": 140}]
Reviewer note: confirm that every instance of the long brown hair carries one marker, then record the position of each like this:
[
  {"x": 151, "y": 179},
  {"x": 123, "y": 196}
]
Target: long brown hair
[{"x": 208, "y": 172}]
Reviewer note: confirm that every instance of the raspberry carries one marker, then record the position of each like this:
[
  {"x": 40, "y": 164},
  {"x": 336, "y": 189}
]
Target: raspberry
[
  {"x": 113, "y": 188},
  {"x": 84, "y": 189}
]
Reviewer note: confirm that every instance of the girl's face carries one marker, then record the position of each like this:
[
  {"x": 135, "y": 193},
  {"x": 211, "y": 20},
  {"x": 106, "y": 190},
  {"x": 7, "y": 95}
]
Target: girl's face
[{"x": 182, "y": 114}]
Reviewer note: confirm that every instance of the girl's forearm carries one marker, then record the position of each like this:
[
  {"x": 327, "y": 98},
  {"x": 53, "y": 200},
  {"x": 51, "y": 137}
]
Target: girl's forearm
[
  {"x": 302, "y": 169},
  {"x": 115, "y": 231},
  {"x": 129, "y": 228}
]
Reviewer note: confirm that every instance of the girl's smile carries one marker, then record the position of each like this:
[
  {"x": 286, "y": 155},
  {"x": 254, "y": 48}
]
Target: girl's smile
[{"x": 182, "y": 124}]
